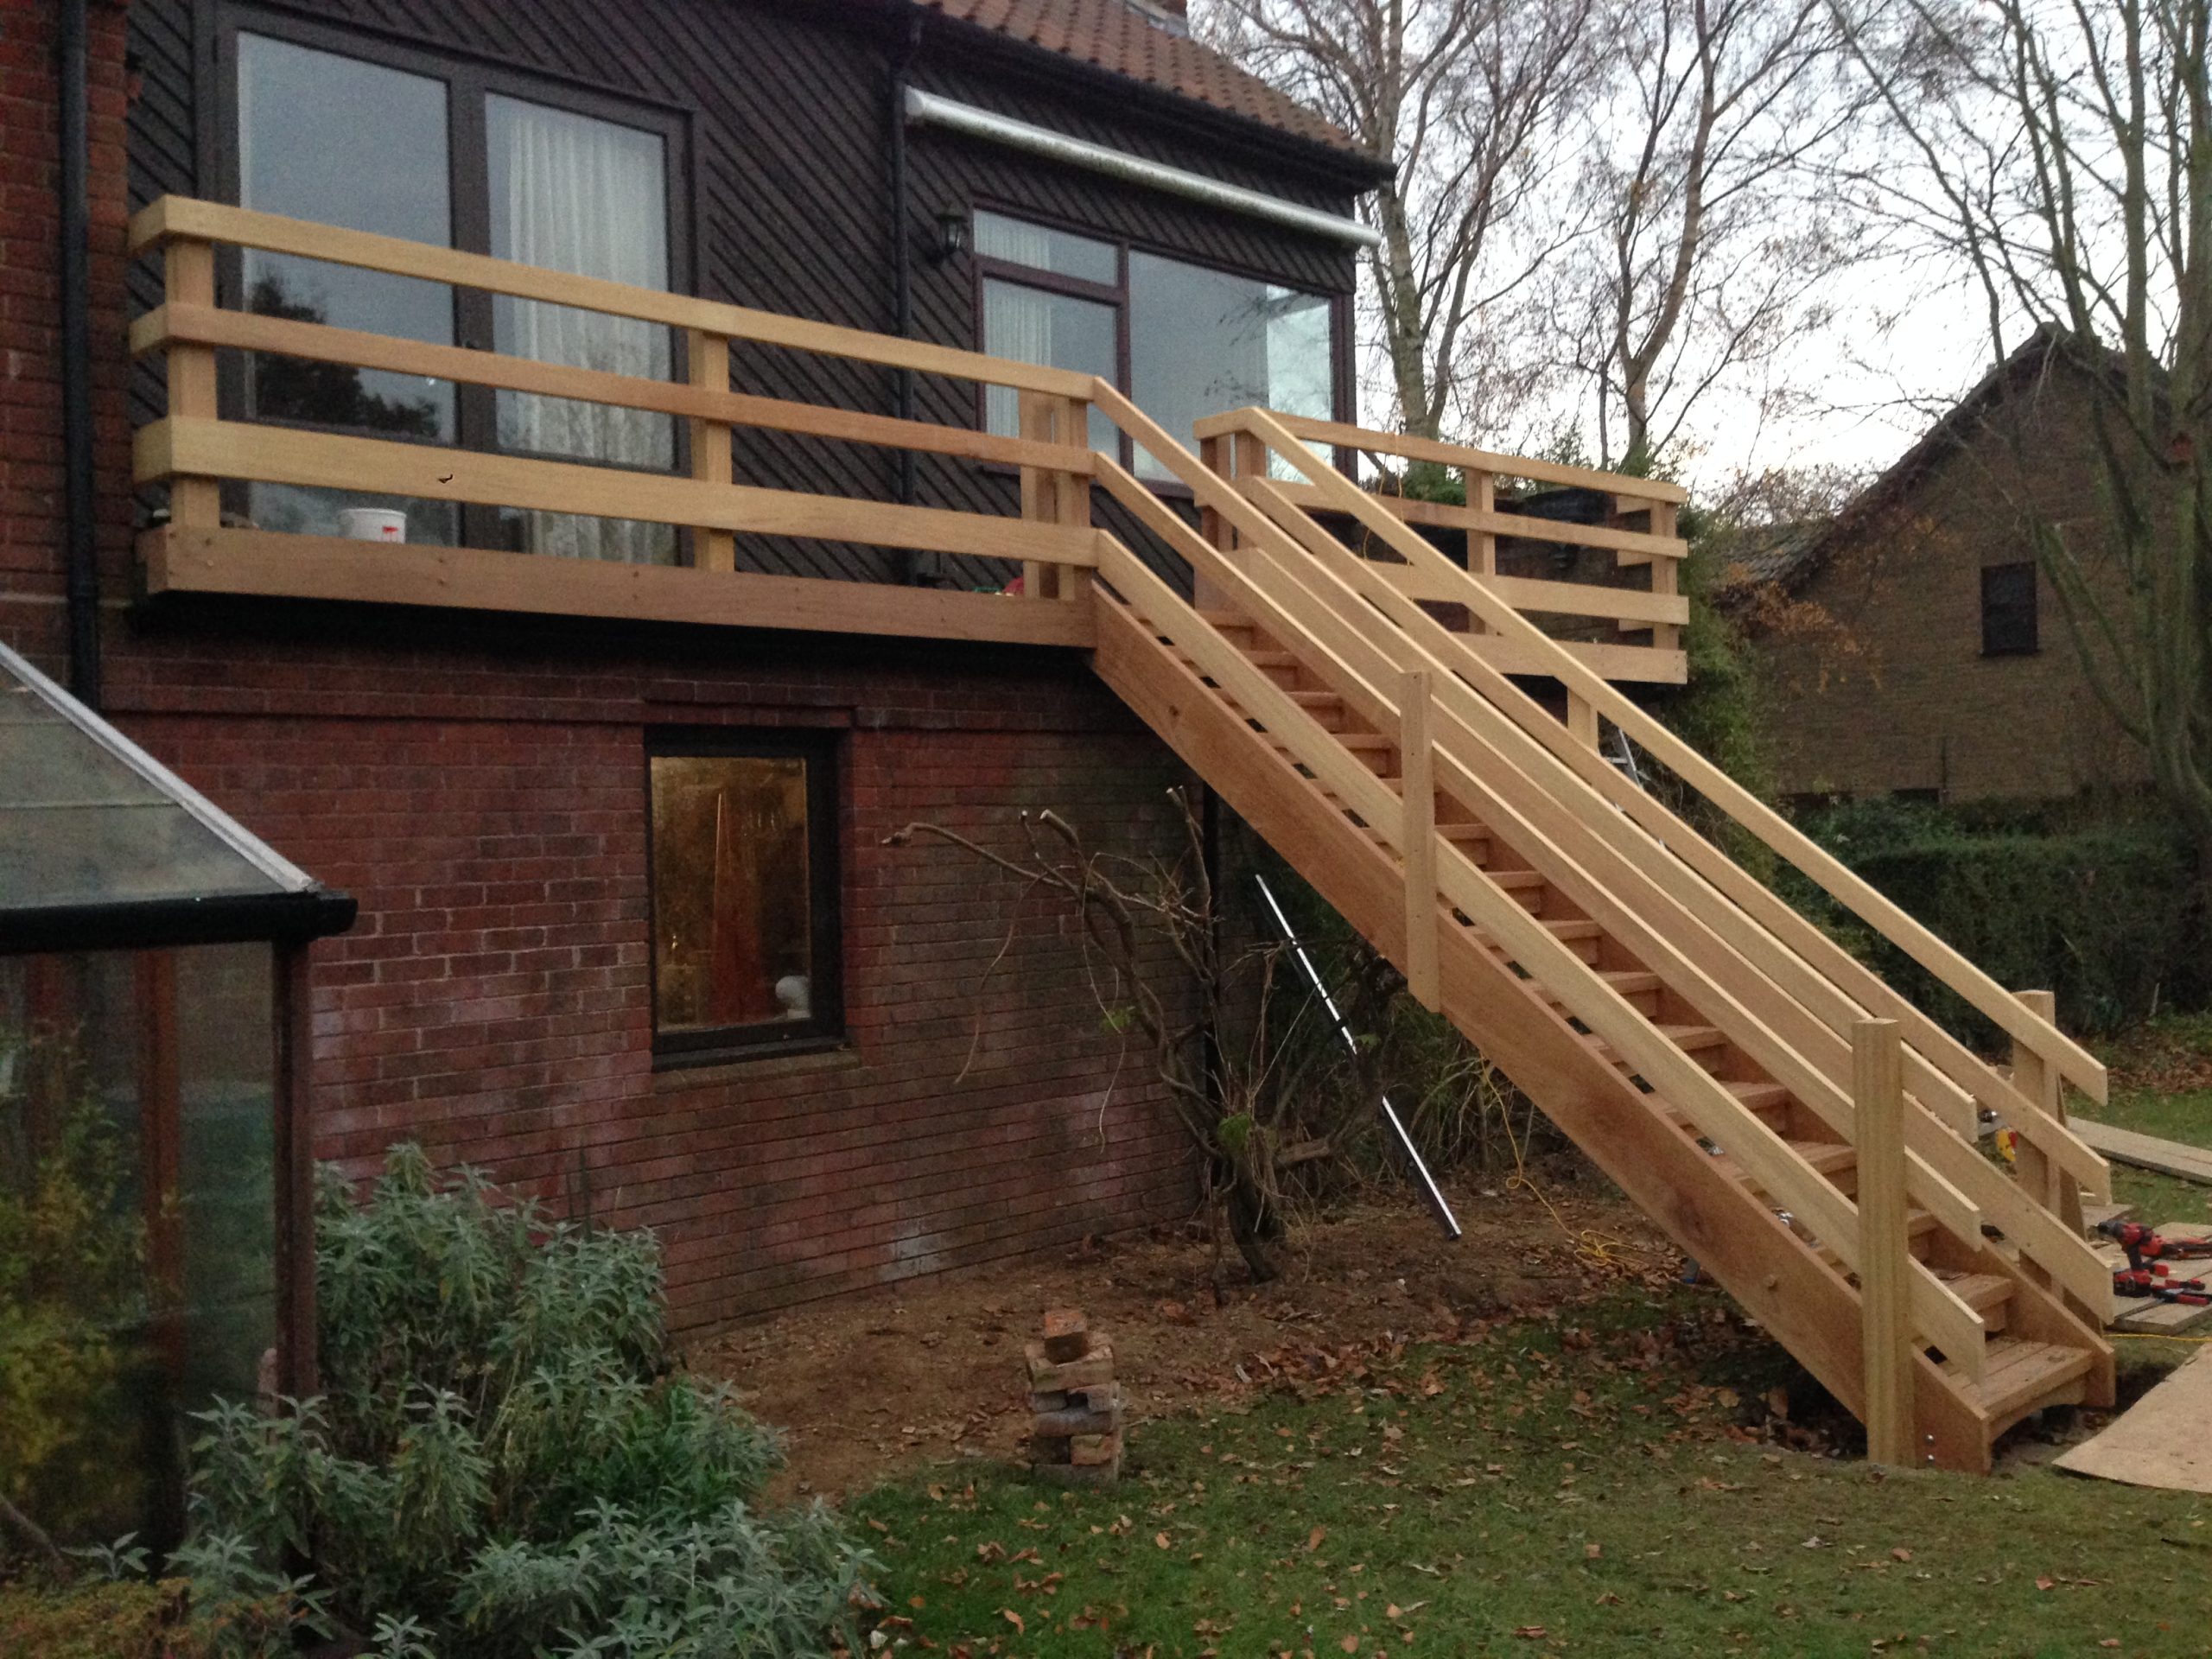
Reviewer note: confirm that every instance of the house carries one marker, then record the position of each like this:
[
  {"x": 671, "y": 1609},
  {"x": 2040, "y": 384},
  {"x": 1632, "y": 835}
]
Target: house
[
  {"x": 1913, "y": 647},
  {"x": 582, "y": 478}
]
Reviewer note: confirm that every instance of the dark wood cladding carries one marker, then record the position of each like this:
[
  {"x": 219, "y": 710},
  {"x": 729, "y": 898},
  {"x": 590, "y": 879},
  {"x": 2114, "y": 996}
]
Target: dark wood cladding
[{"x": 786, "y": 109}]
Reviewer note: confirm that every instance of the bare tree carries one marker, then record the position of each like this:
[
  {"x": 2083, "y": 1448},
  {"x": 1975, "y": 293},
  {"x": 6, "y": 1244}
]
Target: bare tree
[
  {"x": 1464, "y": 98},
  {"x": 1246, "y": 1072},
  {"x": 1709, "y": 254},
  {"x": 2058, "y": 153}
]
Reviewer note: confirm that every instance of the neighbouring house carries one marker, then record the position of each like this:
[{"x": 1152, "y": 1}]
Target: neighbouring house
[
  {"x": 582, "y": 477},
  {"x": 1912, "y": 647}
]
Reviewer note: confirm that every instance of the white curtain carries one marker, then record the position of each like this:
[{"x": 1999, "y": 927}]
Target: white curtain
[
  {"x": 572, "y": 193},
  {"x": 1017, "y": 323}
]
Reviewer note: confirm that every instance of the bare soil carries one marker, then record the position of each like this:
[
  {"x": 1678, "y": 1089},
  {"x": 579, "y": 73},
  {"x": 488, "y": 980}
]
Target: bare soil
[{"x": 930, "y": 1372}]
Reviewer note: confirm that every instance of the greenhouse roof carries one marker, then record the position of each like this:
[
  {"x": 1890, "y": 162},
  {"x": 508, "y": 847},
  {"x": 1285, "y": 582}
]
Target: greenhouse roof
[{"x": 103, "y": 847}]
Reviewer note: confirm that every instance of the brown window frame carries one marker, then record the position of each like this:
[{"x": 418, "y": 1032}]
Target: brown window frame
[
  {"x": 470, "y": 83},
  {"x": 825, "y": 1027},
  {"x": 2021, "y": 614},
  {"x": 1116, "y": 295}
]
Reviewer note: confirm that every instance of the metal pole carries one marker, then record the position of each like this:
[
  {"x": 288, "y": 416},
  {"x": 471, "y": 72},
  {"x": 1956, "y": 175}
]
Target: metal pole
[{"x": 1444, "y": 1218}]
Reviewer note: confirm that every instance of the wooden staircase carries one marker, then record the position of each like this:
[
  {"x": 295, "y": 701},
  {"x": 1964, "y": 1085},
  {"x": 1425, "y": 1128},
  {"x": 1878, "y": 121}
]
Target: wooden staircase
[{"x": 1686, "y": 1036}]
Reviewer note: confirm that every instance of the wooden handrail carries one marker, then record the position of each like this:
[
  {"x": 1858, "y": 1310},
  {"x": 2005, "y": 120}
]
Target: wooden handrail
[
  {"x": 182, "y": 218},
  {"x": 1947, "y": 965},
  {"x": 1459, "y": 455},
  {"x": 1818, "y": 1204}
]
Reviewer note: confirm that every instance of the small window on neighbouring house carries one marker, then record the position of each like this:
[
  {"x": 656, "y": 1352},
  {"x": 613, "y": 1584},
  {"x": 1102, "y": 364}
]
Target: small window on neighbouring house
[
  {"x": 2008, "y": 609},
  {"x": 744, "y": 871}
]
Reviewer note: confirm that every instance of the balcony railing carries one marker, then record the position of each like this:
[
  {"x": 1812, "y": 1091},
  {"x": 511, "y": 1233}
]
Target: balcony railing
[{"x": 1047, "y": 536}]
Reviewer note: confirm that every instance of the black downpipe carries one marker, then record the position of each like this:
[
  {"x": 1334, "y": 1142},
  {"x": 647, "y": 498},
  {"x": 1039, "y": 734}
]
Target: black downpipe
[
  {"x": 79, "y": 547},
  {"x": 902, "y": 255}
]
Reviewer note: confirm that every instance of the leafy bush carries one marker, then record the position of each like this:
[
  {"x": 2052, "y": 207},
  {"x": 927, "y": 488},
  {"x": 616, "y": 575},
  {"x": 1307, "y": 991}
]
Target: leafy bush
[
  {"x": 503, "y": 1462},
  {"x": 2101, "y": 912},
  {"x": 73, "y": 1311}
]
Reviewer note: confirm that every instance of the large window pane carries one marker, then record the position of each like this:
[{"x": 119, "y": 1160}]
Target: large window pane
[
  {"x": 1031, "y": 325},
  {"x": 346, "y": 143},
  {"x": 570, "y": 192},
  {"x": 733, "y": 924},
  {"x": 1202, "y": 341}
]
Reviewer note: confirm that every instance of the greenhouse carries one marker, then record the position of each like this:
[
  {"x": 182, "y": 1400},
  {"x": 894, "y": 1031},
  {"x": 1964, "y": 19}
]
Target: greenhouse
[{"x": 154, "y": 1165}]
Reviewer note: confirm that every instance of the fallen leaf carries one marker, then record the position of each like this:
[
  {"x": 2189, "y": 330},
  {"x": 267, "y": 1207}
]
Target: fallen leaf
[
  {"x": 1900, "y": 1553},
  {"x": 1592, "y": 1552},
  {"x": 2045, "y": 1584},
  {"x": 1015, "y": 1619},
  {"x": 1530, "y": 1632},
  {"x": 1160, "y": 1539},
  {"x": 1349, "y": 1645},
  {"x": 1314, "y": 1538}
]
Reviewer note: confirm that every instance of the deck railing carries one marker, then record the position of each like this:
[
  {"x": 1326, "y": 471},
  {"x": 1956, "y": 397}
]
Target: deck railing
[{"x": 1048, "y": 531}]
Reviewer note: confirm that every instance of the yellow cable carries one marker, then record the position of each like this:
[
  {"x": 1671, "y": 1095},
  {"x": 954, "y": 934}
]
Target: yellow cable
[
  {"x": 1590, "y": 1245},
  {"x": 2152, "y": 1336}
]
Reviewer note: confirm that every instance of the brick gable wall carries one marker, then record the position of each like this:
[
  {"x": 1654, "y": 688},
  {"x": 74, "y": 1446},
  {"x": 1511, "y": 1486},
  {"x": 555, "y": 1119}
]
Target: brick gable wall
[{"x": 1905, "y": 699}]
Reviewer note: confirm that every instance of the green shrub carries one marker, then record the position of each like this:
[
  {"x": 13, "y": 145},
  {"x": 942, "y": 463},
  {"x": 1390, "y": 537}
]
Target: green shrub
[
  {"x": 503, "y": 1462},
  {"x": 73, "y": 1314},
  {"x": 2104, "y": 915}
]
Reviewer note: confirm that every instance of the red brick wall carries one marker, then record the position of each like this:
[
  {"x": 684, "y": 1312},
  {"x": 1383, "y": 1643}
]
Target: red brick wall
[
  {"x": 30, "y": 329},
  {"x": 485, "y": 804},
  {"x": 1891, "y": 691}
]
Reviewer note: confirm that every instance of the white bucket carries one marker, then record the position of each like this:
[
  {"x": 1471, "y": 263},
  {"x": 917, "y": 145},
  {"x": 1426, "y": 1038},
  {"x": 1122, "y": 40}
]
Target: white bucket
[{"x": 371, "y": 524}]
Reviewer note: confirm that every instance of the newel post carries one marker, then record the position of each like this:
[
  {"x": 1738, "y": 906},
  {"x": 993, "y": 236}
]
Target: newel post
[
  {"x": 1884, "y": 1256},
  {"x": 189, "y": 276},
  {"x": 1417, "y": 777}
]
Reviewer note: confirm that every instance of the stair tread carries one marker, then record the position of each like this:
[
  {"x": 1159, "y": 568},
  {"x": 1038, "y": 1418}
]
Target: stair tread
[
  {"x": 1979, "y": 1291},
  {"x": 2018, "y": 1372},
  {"x": 1758, "y": 1092},
  {"x": 1827, "y": 1156}
]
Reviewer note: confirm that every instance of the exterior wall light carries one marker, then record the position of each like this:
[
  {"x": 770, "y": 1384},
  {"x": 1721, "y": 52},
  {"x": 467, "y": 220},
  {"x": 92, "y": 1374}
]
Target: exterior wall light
[{"x": 956, "y": 234}]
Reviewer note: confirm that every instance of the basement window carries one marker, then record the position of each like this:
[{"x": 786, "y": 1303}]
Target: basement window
[
  {"x": 2008, "y": 610},
  {"x": 744, "y": 874}
]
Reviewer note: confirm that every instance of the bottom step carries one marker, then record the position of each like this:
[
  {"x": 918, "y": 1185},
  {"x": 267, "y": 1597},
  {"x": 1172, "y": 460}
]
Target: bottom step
[{"x": 2022, "y": 1376}]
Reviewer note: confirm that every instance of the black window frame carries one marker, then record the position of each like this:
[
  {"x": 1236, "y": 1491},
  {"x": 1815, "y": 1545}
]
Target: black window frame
[
  {"x": 2011, "y": 624},
  {"x": 985, "y": 268},
  {"x": 469, "y": 82},
  {"x": 825, "y": 1027}
]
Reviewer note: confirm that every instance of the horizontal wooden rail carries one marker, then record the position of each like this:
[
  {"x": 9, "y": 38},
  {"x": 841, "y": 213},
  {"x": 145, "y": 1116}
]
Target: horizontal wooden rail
[
  {"x": 1947, "y": 964},
  {"x": 174, "y": 218},
  {"x": 1456, "y": 454},
  {"x": 199, "y": 449},
  {"x": 1525, "y": 525},
  {"x": 200, "y": 325}
]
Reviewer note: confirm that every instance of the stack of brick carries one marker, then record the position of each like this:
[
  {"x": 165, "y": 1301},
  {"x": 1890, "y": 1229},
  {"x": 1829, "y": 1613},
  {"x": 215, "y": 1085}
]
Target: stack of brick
[{"x": 1075, "y": 1402}]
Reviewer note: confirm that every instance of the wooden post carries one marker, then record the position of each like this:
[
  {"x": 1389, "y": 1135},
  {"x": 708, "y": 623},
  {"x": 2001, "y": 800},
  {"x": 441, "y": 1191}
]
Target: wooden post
[
  {"x": 1482, "y": 545},
  {"x": 1884, "y": 1258},
  {"x": 1073, "y": 415},
  {"x": 1665, "y": 578},
  {"x": 1040, "y": 493},
  {"x": 1582, "y": 720},
  {"x": 2032, "y": 1171},
  {"x": 1417, "y": 777},
  {"x": 190, "y": 273},
  {"x": 707, "y": 365}
]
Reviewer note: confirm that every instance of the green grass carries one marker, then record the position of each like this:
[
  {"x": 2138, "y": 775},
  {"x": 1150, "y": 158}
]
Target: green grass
[
  {"x": 2175, "y": 1115},
  {"x": 1541, "y": 1489}
]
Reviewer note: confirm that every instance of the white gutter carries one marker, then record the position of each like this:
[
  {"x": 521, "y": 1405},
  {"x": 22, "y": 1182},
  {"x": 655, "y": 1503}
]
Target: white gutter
[{"x": 928, "y": 110}]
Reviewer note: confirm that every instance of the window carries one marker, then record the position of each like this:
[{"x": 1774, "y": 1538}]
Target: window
[
  {"x": 1183, "y": 341},
  {"x": 744, "y": 872},
  {"x": 404, "y": 145},
  {"x": 2008, "y": 610}
]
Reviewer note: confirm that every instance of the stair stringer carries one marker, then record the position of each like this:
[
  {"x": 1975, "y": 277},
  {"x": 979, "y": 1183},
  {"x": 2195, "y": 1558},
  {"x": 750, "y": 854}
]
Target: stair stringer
[{"x": 1812, "y": 1310}]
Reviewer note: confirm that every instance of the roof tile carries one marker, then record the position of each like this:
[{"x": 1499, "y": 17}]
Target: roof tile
[{"x": 1114, "y": 36}]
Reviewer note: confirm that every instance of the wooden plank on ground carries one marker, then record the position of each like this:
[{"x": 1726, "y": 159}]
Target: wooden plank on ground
[
  {"x": 2146, "y": 1151},
  {"x": 2165, "y": 1439},
  {"x": 2146, "y": 1316}
]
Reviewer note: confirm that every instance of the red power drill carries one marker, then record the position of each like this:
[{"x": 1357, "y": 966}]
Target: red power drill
[
  {"x": 2145, "y": 1245},
  {"x": 2151, "y": 1281}
]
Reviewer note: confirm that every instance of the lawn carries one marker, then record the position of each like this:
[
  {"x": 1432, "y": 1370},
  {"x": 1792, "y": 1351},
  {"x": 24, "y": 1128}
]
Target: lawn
[
  {"x": 1607, "y": 1481},
  {"x": 1548, "y": 1487}
]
